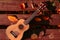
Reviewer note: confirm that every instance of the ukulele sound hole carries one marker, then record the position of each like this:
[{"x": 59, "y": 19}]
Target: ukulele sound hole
[{"x": 21, "y": 26}]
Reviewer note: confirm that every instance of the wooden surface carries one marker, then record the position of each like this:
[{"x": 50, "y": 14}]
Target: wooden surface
[
  {"x": 4, "y": 20},
  {"x": 56, "y": 34},
  {"x": 55, "y": 19},
  {"x": 14, "y": 5}
]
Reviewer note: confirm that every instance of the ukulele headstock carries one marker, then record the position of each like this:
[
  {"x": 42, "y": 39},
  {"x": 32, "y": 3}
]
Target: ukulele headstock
[{"x": 42, "y": 6}]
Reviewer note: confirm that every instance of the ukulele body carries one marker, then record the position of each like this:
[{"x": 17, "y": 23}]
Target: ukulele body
[{"x": 16, "y": 31}]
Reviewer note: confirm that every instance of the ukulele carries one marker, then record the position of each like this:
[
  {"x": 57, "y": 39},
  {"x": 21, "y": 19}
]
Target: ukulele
[{"x": 16, "y": 31}]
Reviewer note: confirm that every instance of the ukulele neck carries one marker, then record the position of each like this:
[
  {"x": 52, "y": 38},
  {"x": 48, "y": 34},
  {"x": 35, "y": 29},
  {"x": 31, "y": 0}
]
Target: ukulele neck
[{"x": 34, "y": 14}]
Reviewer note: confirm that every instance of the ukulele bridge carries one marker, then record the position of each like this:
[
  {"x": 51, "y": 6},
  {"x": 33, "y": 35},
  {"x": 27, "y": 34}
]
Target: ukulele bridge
[{"x": 15, "y": 34}]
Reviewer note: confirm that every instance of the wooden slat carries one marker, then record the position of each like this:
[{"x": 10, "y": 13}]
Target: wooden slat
[
  {"x": 55, "y": 19},
  {"x": 14, "y": 5},
  {"x": 4, "y": 20},
  {"x": 55, "y": 32}
]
